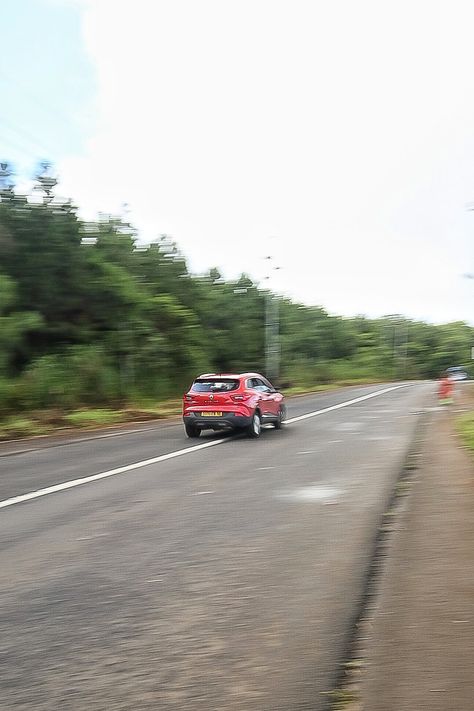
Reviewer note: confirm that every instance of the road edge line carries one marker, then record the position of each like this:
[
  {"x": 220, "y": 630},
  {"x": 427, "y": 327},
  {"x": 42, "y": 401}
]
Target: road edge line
[
  {"x": 340, "y": 405},
  {"x": 105, "y": 475},
  {"x": 29, "y": 496}
]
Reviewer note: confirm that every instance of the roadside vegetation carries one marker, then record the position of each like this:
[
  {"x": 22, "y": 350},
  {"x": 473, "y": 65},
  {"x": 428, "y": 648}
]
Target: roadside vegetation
[
  {"x": 97, "y": 328},
  {"x": 465, "y": 422},
  {"x": 466, "y": 429},
  {"x": 465, "y": 425}
]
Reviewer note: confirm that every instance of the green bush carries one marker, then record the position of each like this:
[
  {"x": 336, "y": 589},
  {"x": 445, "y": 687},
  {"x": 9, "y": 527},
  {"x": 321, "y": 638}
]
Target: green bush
[
  {"x": 6, "y": 396},
  {"x": 81, "y": 375}
]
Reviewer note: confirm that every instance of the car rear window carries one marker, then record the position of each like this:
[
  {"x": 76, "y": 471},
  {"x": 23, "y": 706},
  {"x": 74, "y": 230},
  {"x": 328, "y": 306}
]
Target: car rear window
[{"x": 214, "y": 385}]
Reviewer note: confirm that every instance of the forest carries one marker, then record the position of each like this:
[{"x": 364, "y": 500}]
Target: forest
[{"x": 91, "y": 317}]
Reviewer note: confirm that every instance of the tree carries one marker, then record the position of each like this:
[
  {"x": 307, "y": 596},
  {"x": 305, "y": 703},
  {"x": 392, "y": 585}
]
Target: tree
[{"x": 89, "y": 315}]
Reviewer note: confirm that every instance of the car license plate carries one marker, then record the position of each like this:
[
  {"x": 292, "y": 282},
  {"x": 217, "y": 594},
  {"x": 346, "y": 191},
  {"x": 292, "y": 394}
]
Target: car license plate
[{"x": 211, "y": 414}]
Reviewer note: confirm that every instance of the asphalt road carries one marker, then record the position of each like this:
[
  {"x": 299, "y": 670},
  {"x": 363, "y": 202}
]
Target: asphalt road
[{"x": 224, "y": 578}]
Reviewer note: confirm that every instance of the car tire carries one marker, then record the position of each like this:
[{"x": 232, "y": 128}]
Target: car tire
[
  {"x": 281, "y": 418},
  {"x": 192, "y": 431},
  {"x": 255, "y": 427}
]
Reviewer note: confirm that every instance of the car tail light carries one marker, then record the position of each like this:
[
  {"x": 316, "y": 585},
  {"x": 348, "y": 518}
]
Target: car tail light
[
  {"x": 240, "y": 398},
  {"x": 188, "y": 398}
]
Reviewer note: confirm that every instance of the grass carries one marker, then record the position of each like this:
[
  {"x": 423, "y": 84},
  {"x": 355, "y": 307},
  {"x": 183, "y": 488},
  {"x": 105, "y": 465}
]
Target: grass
[
  {"x": 41, "y": 422},
  {"x": 465, "y": 427},
  {"x": 90, "y": 418},
  {"x": 340, "y": 699},
  {"x": 17, "y": 426},
  {"x": 302, "y": 390}
]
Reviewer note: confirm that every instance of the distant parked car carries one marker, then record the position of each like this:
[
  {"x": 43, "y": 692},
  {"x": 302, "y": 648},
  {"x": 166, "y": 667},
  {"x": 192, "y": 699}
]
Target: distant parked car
[
  {"x": 457, "y": 373},
  {"x": 241, "y": 402}
]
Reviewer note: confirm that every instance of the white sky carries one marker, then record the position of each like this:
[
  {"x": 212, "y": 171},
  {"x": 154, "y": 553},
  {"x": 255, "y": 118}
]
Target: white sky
[{"x": 343, "y": 128}]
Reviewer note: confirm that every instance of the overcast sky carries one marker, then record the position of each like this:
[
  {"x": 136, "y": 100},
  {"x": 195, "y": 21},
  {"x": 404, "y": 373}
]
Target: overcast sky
[{"x": 343, "y": 129}]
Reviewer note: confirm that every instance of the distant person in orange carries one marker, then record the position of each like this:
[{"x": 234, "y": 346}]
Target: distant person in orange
[{"x": 445, "y": 390}]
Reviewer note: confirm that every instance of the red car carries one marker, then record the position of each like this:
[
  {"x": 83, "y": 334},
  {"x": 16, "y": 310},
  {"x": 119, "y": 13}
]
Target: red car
[{"x": 241, "y": 402}]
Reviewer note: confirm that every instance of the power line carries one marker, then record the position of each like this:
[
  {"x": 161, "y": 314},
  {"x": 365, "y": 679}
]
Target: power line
[
  {"x": 23, "y": 135},
  {"x": 50, "y": 109},
  {"x": 19, "y": 148}
]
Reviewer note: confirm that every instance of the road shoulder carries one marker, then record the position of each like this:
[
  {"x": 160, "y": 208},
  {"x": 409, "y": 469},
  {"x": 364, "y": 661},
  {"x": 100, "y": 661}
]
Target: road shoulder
[{"x": 421, "y": 639}]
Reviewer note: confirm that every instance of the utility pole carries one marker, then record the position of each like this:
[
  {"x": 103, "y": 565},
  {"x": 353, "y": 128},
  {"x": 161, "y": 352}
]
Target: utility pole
[
  {"x": 272, "y": 327},
  {"x": 399, "y": 359},
  {"x": 405, "y": 351},
  {"x": 470, "y": 275}
]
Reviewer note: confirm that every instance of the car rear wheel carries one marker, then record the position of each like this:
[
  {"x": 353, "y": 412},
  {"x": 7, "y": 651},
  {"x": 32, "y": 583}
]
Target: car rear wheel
[
  {"x": 192, "y": 431},
  {"x": 255, "y": 426},
  {"x": 281, "y": 418}
]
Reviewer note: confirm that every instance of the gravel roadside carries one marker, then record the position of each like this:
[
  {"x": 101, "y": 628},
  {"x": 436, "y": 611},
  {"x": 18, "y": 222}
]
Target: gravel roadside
[{"x": 421, "y": 643}]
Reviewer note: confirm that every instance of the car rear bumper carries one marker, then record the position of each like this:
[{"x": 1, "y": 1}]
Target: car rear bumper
[{"x": 227, "y": 419}]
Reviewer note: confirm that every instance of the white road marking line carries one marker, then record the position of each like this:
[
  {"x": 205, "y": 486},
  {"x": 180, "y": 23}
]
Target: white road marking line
[
  {"x": 343, "y": 404},
  {"x": 349, "y": 427},
  {"x": 312, "y": 493},
  {"x": 105, "y": 475},
  {"x": 66, "y": 443},
  {"x": 202, "y": 493},
  {"x": 263, "y": 469},
  {"x": 91, "y": 538},
  {"x": 172, "y": 455},
  {"x": 113, "y": 434}
]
